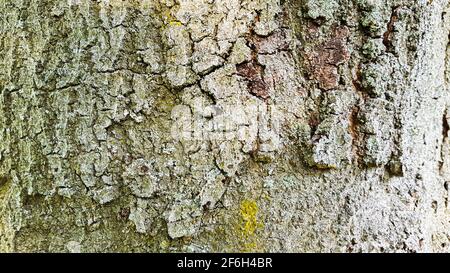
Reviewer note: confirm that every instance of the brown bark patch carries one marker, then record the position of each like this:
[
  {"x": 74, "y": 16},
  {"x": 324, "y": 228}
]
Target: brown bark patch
[
  {"x": 253, "y": 73},
  {"x": 389, "y": 34},
  {"x": 324, "y": 59}
]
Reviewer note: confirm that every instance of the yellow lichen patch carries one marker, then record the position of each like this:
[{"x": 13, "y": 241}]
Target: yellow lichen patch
[
  {"x": 175, "y": 23},
  {"x": 164, "y": 244},
  {"x": 249, "y": 211},
  {"x": 249, "y": 226},
  {"x": 170, "y": 20},
  {"x": 165, "y": 13}
]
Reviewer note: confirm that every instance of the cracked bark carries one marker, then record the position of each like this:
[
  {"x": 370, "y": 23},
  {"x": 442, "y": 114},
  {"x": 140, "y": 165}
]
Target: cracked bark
[{"x": 267, "y": 125}]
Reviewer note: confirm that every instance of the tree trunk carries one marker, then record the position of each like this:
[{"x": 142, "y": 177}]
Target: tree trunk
[{"x": 237, "y": 125}]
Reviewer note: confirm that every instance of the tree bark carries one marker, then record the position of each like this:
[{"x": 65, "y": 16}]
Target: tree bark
[{"x": 199, "y": 125}]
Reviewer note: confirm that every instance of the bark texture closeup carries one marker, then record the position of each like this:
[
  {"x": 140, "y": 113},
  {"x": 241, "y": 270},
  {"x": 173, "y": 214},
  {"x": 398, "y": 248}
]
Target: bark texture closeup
[{"x": 224, "y": 125}]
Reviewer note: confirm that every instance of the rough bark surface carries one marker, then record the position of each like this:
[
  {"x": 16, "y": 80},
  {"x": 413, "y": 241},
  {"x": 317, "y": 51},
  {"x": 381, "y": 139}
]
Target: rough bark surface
[{"x": 202, "y": 125}]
